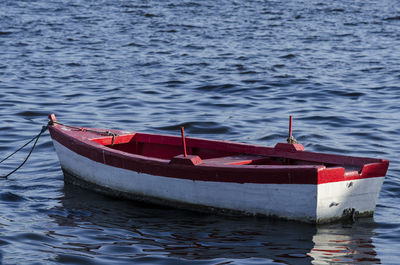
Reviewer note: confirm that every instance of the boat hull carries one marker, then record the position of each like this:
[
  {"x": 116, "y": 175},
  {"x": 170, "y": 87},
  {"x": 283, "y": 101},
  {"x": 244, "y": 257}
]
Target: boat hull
[{"x": 313, "y": 203}]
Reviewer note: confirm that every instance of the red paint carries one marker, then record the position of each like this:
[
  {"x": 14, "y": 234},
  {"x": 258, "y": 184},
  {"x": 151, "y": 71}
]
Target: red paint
[
  {"x": 290, "y": 126},
  {"x": 107, "y": 140},
  {"x": 52, "y": 118},
  {"x": 211, "y": 160},
  {"x": 236, "y": 160},
  {"x": 183, "y": 141},
  {"x": 289, "y": 147},
  {"x": 186, "y": 160}
]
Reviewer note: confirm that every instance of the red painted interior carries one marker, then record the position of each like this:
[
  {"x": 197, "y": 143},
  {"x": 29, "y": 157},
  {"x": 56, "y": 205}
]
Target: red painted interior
[{"x": 167, "y": 147}]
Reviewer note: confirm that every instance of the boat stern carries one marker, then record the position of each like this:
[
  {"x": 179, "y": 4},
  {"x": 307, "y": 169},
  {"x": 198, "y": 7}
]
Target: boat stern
[{"x": 343, "y": 195}]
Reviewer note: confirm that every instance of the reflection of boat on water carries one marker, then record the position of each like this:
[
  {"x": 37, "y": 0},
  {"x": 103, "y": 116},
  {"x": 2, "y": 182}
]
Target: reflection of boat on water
[
  {"x": 129, "y": 231},
  {"x": 351, "y": 245}
]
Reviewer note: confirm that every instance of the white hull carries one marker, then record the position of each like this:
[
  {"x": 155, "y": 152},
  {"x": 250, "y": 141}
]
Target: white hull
[
  {"x": 303, "y": 202},
  {"x": 336, "y": 197}
]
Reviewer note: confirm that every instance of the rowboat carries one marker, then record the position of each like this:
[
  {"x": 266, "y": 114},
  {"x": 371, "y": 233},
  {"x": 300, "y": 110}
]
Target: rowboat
[{"x": 283, "y": 181}]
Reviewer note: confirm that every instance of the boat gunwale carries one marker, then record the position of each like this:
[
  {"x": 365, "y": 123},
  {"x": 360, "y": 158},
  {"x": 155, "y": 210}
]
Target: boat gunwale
[{"x": 317, "y": 174}]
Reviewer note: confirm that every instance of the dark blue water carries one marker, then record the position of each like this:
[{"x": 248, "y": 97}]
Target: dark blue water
[{"x": 225, "y": 70}]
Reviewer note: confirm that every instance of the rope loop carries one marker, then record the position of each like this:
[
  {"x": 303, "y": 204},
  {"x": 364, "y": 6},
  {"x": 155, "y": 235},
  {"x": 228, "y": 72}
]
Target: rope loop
[{"x": 291, "y": 140}]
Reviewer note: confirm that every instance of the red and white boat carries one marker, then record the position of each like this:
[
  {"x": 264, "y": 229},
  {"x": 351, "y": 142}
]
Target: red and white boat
[{"x": 284, "y": 181}]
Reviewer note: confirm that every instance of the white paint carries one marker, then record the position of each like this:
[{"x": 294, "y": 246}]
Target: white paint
[
  {"x": 361, "y": 194},
  {"x": 291, "y": 201}
]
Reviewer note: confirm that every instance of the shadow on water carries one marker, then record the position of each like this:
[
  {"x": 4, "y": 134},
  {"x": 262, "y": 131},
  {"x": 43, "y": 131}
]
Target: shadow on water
[{"x": 109, "y": 230}]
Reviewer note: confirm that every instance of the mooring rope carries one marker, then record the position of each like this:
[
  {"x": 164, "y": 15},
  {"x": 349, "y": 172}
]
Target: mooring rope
[{"x": 36, "y": 138}]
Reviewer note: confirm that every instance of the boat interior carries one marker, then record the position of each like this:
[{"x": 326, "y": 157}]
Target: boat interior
[{"x": 209, "y": 151}]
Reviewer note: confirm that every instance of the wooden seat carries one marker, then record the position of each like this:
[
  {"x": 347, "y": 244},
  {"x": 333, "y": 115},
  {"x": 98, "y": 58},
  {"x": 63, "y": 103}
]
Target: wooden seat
[{"x": 233, "y": 160}]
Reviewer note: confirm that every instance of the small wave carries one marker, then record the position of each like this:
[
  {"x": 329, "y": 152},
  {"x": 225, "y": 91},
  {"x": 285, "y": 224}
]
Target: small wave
[
  {"x": 248, "y": 72},
  {"x": 81, "y": 17},
  {"x": 184, "y": 4},
  {"x": 252, "y": 81},
  {"x": 270, "y": 137},
  {"x": 278, "y": 66},
  {"x": 353, "y": 95},
  {"x": 333, "y": 120},
  {"x": 288, "y": 56},
  {"x": 3, "y": 243},
  {"x": 372, "y": 69},
  {"x": 350, "y": 24},
  {"x": 32, "y": 113},
  {"x": 222, "y": 87},
  {"x": 149, "y": 15},
  {"x": 133, "y": 44},
  {"x": 172, "y": 83},
  {"x": 392, "y": 18},
  {"x": 194, "y": 47},
  {"x": 198, "y": 128},
  {"x": 11, "y": 197},
  {"x": 324, "y": 148},
  {"x": 73, "y": 64},
  {"x": 73, "y": 259},
  {"x": 4, "y": 33}
]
